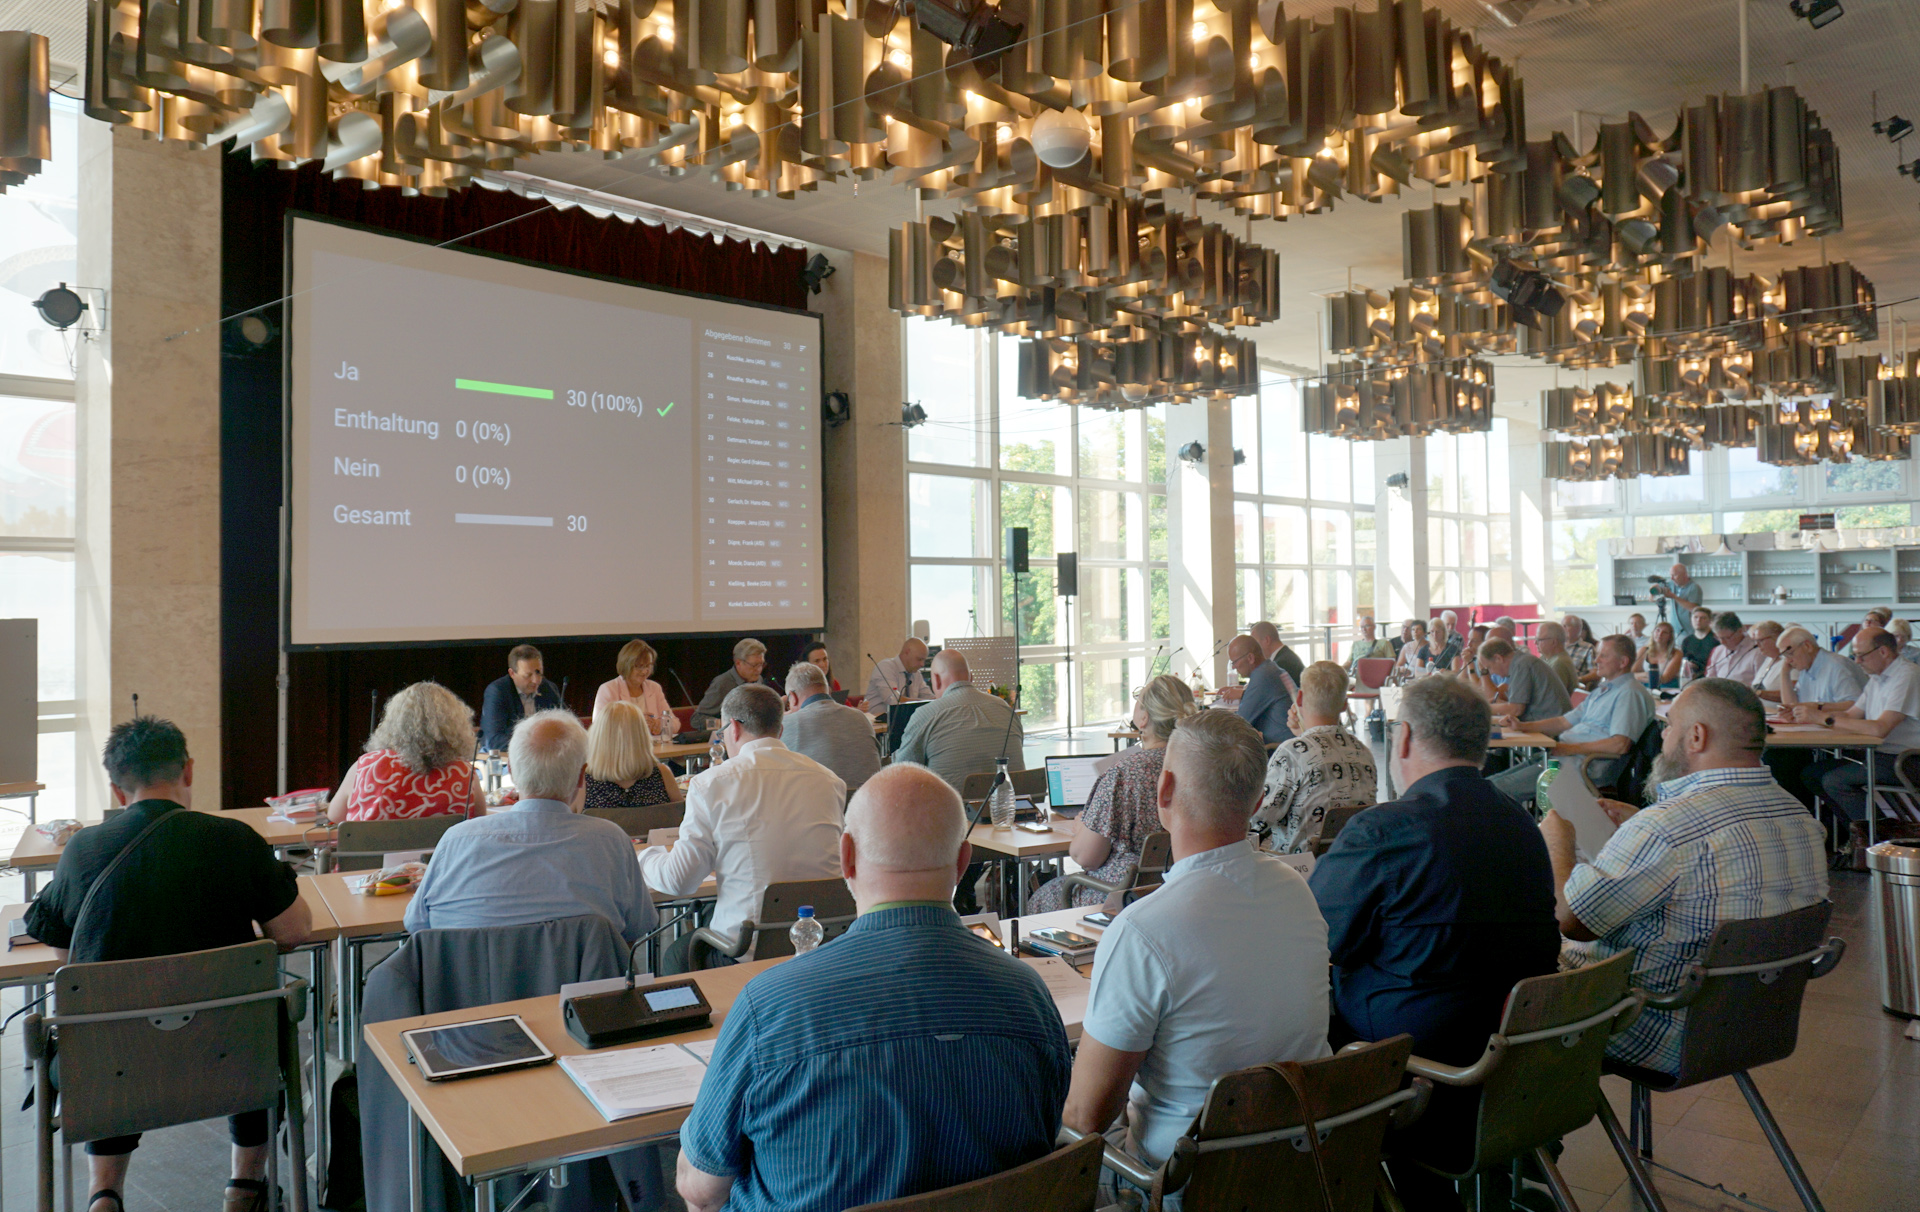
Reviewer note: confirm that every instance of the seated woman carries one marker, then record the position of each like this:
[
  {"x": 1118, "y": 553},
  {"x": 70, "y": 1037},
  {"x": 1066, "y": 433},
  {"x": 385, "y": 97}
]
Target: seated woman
[
  {"x": 1121, "y": 809},
  {"x": 1442, "y": 647},
  {"x": 635, "y": 684},
  {"x": 621, "y": 769},
  {"x": 1414, "y": 650},
  {"x": 1660, "y": 659},
  {"x": 418, "y": 762},
  {"x": 816, "y": 655}
]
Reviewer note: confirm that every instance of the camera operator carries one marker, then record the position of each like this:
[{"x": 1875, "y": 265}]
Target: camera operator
[{"x": 1679, "y": 589}]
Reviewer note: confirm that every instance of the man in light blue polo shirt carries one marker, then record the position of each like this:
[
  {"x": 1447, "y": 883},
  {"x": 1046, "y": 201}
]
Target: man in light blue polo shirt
[
  {"x": 1224, "y": 968},
  {"x": 1817, "y": 683},
  {"x": 1603, "y": 728}
]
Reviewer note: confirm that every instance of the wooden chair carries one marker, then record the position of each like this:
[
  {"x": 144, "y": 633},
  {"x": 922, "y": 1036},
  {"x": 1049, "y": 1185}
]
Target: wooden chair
[
  {"x": 1331, "y": 825},
  {"x": 1140, "y": 878},
  {"x": 638, "y": 822},
  {"x": 1249, "y": 1148},
  {"x": 1539, "y": 1078},
  {"x": 362, "y": 845},
  {"x": 144, "y": 1044},
  {"x": 1066, "y": 1180},
  {"x": 1742, "y": 1002},
  {"x": 766, "y": 936}
]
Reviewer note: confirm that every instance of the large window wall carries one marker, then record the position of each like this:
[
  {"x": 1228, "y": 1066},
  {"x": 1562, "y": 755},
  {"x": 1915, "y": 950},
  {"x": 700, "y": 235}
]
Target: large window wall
[
  {"x": 1081, "y": 480},
  {"x": 1469, "y": 518}
]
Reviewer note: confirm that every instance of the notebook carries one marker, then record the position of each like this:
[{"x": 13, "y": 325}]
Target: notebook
[{"x": 636, "y": 1081}]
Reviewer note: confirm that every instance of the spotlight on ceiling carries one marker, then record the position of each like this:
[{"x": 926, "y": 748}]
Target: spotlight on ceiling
[
  {"x": 1895, "y": 128},
  {"x": 973, "y": 28},
  {"x": 818, "y": 270},
  {"x": 836, "y": 409},
  {"x": 1193, "y": 453},
  {"x": 912, "y": 415},
  {"x": 1239, "y": 457},
  {"x": 1817, "y": 13},
  {"x": 1911, "y": 170},
  {"x": 60, "y": 307},
  {"x": 1529, "y": 292}
]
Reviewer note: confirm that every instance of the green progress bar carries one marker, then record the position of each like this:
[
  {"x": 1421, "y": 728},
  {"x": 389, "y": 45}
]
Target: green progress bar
[{"x": 503, "y": 389}]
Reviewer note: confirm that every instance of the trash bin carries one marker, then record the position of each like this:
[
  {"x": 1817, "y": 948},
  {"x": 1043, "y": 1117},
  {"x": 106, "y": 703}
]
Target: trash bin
[{"x": 1896, "y": 924}]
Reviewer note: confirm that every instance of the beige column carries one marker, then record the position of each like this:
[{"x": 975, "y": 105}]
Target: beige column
[
  {"x": 865, "y": 479},
  {"x": 147, "y": 575}
]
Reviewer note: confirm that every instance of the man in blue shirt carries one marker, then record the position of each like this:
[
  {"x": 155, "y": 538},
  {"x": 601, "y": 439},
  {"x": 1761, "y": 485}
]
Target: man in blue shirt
[
  {"x": 538, "y": 860},
  {"x": 902, "y": 1057},
  {"x": 1603, "y": 728},
  {"x": 1268, "y": 694}
]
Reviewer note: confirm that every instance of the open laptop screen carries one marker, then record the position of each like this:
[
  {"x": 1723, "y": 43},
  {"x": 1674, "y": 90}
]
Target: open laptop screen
[{"x": 1070, "y": 779}]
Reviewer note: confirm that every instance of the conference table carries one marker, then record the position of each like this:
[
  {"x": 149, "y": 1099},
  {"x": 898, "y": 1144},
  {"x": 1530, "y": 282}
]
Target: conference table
[
  {"x": 35, "y": 852},
  {"x": 1020, "y": 847}
]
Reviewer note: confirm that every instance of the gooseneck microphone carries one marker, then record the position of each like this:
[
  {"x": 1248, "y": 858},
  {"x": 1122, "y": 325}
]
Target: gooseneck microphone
[{"x": 563, "y": 692}]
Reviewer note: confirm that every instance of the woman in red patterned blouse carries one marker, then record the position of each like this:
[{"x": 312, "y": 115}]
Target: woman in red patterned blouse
[{"x": 418, "y": 762}]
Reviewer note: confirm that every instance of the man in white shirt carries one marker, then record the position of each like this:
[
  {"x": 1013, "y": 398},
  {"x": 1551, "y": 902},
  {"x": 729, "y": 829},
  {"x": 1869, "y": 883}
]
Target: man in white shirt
[
  {"x": 1637, "y": 631},
  {"x": 1225, "y": 967},
  {"x": 1738, "y": 658},
  {"x": 765, "y": 816},
  {"x": 898, "y": 678},
  {"x": 1888, "y": 708}
]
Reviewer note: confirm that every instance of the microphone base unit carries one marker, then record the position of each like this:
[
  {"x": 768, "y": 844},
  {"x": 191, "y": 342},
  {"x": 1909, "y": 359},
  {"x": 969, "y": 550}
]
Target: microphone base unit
[{"x": 601, "y": 1020}]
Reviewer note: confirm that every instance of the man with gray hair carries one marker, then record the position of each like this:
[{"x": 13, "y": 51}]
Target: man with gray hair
[
  {"x": 767, "y": 815},
  {"x": 832, "y": 734},
  {"x": 539, "y": 859},
  {"x": 964, "y": 730},
  {"x": 1224, "y": 967},
  {"x": 1887, "y": 707},
  {"x": 1736, "y": 657},
  {"x": 1550, "y": 641},
  {"x": 749, "y": 663},
  {"x": 927, "y": 1057}
]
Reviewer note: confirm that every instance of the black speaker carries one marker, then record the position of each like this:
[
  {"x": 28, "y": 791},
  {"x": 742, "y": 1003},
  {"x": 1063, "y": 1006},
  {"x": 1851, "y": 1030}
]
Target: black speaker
[
  {"x": 1016, "y": 549},
  {"x": 1066, "y": 582}
]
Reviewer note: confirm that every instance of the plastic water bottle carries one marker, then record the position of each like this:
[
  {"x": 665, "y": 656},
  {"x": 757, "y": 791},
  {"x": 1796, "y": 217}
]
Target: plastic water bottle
[
  {"x": 807, "y": 933},
  {"x": 1000, "y": 798},
  {"x": 717, "y": 751},
  {"x": 1540, "y": 801}
]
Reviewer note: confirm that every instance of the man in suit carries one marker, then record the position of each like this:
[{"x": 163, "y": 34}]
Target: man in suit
[
  {"x": 1275, "y": 649},
  {"x": 1269, "y": 692},
  {"x": 838, "y": 737},
  {"x": 523, "y": 692}
]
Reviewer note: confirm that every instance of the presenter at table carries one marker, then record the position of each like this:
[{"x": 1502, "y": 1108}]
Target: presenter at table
[
  {"x": 898, "y": 679},
  {"x": 636, "y": 685},
  {"x": 524, "y": 691}
]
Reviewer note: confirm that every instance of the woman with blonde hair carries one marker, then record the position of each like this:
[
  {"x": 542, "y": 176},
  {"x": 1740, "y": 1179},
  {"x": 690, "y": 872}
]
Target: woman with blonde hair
[
  {"x": 418, "y": 762},
  {"x": 621, "y": 769},
  {"x": 635, "y": 684},
  {"x": 1123, "y": 807}
]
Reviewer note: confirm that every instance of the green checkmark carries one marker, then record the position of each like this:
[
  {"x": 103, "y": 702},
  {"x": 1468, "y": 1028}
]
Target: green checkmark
[{"x": 664, "y": 411}]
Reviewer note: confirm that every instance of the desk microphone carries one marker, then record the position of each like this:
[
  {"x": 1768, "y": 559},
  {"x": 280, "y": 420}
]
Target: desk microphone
[
  {"x": 691, "y": 701},
  {"x": 900, "y": 694},
  {"x": 563, "y": 693},
  {"x": 1176, "y": 652},
  {"x": 622, "y": 1015}
]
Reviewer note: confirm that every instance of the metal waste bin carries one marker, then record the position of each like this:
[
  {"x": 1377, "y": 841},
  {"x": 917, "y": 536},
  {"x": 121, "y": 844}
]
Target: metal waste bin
[{"x": 1896, "y": 924}]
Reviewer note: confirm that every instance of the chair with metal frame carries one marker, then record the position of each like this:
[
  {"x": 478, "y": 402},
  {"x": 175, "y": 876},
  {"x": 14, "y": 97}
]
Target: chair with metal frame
[
  {"x": 1539, "y": 1079},
  {"x": 639, "y": 822},
  {"x": 1331, "y": 825},
  {"x": 766, "y": 936},
  {"x": 144, "y": 1044},
  {"x": 1065, "y": 1180},
  {"x": 1141, "y": 876},
  {"x": 362, "y": 845},
  {"x": 1282, "y": 1137},
  {"x": 1742, "y": 1002}
]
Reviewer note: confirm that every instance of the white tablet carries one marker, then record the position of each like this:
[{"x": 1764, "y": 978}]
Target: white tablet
[{"x": 487, "y": 1045}]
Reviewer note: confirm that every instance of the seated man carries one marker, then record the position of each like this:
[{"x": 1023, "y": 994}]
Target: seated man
[
  {"x": 1773, "y": 663},
  {"x": 1696, "y": 646},
  {"x": 1321, "y": 766},
  {"x": 1637, "y": 630},
  {"x": 836, "y": 736},
  {"x": 749, "y": 662},
  {"x": 767, "y": 815},
  {"x": 1722, "y": 842},
  {"x": 926, "y": 1056},
  {"x": 1275, "y": 649},
  {"x": 539, "y": 859},
  {"x": 196, "y": 882},
  {"x": 510, "y": 699},
  {"x": 1736, "y": 656},
  {"x": 1268, "y": 694},
  {"x": 1370, "y": 646},
  {"x": 964, "y": 730},
  {"x": 1550, "y": 641},
  {"x": 1814, "y": 683},
  {"x": 1436, "y": 904},
  {"x": 1888, "y": 707},
  {"x": 1531, "y": 690},
  {"x": 898, "y": 678},
  {"x": 1604, "y": 727},
  {"x": 1223, "y": 968}
]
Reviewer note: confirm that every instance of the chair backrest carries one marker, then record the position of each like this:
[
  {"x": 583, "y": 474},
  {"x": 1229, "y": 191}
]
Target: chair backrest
[
  {"x": 1331, "y": 825},
  {"x": 361, "y": 844},
  {"x": 684, "y": 716},
  {"x": 1156, "y": 855},
  {"x": 1278, "y": 1175},
  {"x": 1030, "y": 783},
  {"x": 1740, "y": 1021},
  {"x": 975, "y": 786},
  {"x": 638, "y": 822},
  {"x": 1631, "y": 782},
  {"x": 1373, "y": 672},
  {"x": 832, "y": 905},
  {"x": 1066, "y": 1180},
  {"x": 1548, "y": 1087},
  {"x": 146, "y": 1072}
]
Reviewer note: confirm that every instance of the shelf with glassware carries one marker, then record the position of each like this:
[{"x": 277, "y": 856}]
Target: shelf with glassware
[{"x": 1787, "y": 579}]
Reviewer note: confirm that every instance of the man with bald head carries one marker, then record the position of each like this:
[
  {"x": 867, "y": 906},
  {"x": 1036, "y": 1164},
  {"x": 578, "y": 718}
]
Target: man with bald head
[
  {"x": 964, "y": 729},
  {"x": 925, "y": 1055},
  {"x": 1721, "y": 842},
  {"x": 1887, "y": 707},
  {"x": 1269, "y": 692},
  {"x": 1681, "y": 590},
  {"x": 898, "y": 678}
]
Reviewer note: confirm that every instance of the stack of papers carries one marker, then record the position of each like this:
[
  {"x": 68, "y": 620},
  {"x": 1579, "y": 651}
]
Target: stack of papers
[
  {"x": 1068, "y": 987},
  {"x": 638, "y": 1081}
]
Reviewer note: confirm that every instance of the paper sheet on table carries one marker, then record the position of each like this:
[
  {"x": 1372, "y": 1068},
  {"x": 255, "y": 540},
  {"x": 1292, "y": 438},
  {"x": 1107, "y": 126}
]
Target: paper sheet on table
[
  {"x": 636, "y": 1081},
  {"x": 663, "y": 837},
  {"x": 702, "y": 1050},
  {"x": 1068, "y": 987}
]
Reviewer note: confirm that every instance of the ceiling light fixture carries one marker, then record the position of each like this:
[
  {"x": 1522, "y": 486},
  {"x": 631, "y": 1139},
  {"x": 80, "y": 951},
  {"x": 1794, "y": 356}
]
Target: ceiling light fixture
[
  {"x": 26, "y": 131},
  {"x": 1817, "y": 13},
  {"x": 1895, "y": 128}
]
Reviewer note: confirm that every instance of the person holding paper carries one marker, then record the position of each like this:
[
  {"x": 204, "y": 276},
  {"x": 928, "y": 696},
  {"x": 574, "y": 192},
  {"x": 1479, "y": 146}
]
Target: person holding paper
[
  {"x": 1721, "y": 842},
  {"x": 902, "y": 1057}
]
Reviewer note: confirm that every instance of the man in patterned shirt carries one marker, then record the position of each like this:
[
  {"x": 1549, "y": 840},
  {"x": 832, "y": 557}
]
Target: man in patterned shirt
[
  {"x": 1721, "y": 843},
  {"x": 1323, "y": 766}
]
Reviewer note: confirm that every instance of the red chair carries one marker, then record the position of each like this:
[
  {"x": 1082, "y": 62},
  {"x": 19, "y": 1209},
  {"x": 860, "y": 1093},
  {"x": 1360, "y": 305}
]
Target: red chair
[
  {"x": 1373, "y": 672},
  {"x": 685, "y": 716}
]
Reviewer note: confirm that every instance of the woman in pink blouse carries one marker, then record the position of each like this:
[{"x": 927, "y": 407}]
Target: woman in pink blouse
[
  {"x": 418, "y": 762},
  {"x": 635, "y": 684}
]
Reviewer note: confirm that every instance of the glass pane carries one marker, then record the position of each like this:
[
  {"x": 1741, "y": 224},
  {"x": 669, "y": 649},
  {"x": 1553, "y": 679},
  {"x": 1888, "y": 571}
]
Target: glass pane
[
  {"x": 1437, "y": 589},
  {"x": 1499, "y": 464},
  {"x": 1035, "y": 435},
  {"x": 1044, "y": 510},
  {"x": 1279, "y": 441},
  {"x": 1110, "y": 525},
  {"x": 1246, "y": 598},
  {"x": 1246, "y": 437},
  {"x": 1246, "y": 521},
  {"x": 1284, "y": 538},
  {"x": 1863, "y": 476},
  {"x": 1332, "y": 598},
  {"x": 1500, "y": 540},
  {"x": 41, "y": 587},
  {"x": 1443, "y": 474},
  {"x": 1436, "y": 542},
  {"x": 1330, "y": 464},
  {"x": 949, "y": 597},
  {"x": 1748, "y": 477},
  {"x": 1690, "y": 487},
  {"x": 1363, "y": 540},
  {"x": 1156, "y": 418},
  {"x": 1039, "y": 608},
  {"x": 1104, "y": 690},
  {"x": 1112, "y": 606},
  {"x": 945, "y": 517},
  {"x": 1473, "y": 472},
  {"x": 1363, "y": 592},
  {"x": 36, "y": 467},
  {"x": 1450, "y": 540},
  {"x": 1287, "y": 598},
  {"x": 1104, "y": 447},
  {"x": 1587, "y": 494},
  {"x": 1676, "y": 524},
  {"x": 1453, "y": 589},
  {"x": 1040, "y": 695},
  {"x": 1159, "y": 605},
  {"x": 38, "y": 222},
  {"x": 1156, "y": 526},
  {"x": 1761, "y": 521},
  {"x": 1480, "y": 584},
  {"x": 1502, "y": 585},
  {"x": 1363, "y": 473},
  {"x": 1873, "y": 515},
  {"x": 1332, "y": 536},
  {"x": 1473, "y": 544},
  {"x": 1578, "y": 545}
]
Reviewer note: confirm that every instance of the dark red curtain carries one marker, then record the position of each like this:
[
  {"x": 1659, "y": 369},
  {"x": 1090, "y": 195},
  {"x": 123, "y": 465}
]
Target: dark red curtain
[{"x": 332, "y": 694}]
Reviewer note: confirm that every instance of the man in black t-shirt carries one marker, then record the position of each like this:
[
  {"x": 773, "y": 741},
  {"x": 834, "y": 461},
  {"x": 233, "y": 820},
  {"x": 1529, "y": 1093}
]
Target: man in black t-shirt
[
  {"x": 1698, "y": 644},
  {"x": 194, "y": 883}
]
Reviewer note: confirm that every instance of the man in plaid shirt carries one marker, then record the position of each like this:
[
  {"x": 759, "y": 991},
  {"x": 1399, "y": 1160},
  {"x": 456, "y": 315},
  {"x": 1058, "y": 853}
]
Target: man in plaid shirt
[{"x": 1722, "y": 842}]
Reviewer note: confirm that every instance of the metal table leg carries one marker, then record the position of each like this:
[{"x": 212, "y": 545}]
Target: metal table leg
[
  {"x": 1873, "y": 796},
  {"x": 416, "y": 1162},
  {"x": 317, "y": 963}
]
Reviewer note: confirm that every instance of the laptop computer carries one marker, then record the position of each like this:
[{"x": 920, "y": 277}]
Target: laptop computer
[
  {"x": 1070, "y": 779},
  {"x": 897, "y": 716}
]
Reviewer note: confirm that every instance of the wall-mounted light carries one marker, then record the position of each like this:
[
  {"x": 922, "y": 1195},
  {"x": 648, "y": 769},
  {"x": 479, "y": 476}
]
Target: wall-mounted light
[
  {"x": 836, "y": 409},
  {"x": 1193, "y": 454},
  {"x": 912, "y": 415}
]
